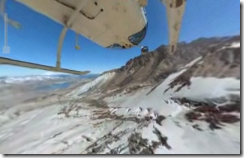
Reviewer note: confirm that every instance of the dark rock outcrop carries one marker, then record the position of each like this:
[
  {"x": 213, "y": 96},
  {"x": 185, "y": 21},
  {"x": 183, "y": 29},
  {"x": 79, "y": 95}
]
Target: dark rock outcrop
[{"x": 152, "y": 68}]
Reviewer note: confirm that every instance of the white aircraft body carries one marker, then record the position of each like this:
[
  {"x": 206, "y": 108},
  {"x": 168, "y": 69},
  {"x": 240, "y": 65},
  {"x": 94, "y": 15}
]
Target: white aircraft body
[{"x": 114, "y": 24}]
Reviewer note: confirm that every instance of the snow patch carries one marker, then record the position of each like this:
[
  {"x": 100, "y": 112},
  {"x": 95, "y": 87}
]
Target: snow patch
[
  {"x": 97, "y": 83},
  {"x": 192, "y": 62},
  {"x": 233, "y": 45},
  {"x": 202, "y": 89}
]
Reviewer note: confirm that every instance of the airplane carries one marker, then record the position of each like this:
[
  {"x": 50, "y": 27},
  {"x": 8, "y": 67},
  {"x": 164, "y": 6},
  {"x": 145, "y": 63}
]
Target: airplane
[{"x": 113, "y": 24}]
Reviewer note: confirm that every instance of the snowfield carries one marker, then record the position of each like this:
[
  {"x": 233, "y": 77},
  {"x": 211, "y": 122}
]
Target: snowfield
[
  {"x": 95, "y": 84},
  {"x": 164, "y": 120}
]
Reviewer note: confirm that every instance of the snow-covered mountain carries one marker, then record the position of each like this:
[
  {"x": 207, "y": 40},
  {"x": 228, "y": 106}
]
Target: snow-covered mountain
[
  {"x": 188, "y": 103},
  {"x": 45, "y": 77}
]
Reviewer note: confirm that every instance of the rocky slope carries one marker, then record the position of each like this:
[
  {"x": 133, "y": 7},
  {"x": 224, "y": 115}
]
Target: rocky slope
[
  {"x": 222, "y": 60},
  {"x": 188, "y": 103}
]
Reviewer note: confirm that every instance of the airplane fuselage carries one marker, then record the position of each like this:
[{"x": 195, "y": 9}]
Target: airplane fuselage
[{"x": 117, "y": 24}]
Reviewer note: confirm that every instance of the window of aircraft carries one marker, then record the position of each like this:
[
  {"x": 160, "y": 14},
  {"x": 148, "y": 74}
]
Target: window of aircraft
[
  {"x": 115, "y": 46},
  {"x": 138, "y": 37}
]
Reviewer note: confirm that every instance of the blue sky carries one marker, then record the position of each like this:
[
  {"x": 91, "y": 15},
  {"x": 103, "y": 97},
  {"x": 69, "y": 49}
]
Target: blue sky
[{"x": 37, "y": 40}]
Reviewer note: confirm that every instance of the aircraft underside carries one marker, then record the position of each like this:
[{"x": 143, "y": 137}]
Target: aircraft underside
[{"x": 104, "y": 22}]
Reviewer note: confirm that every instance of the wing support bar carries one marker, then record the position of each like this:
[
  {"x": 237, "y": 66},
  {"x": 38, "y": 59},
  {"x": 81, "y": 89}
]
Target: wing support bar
[{"x": 175, "y": 10}]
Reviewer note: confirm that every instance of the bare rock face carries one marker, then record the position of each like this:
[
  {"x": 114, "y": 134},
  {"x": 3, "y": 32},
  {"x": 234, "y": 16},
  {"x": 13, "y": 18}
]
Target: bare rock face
[{"x": 219, "y": 59}]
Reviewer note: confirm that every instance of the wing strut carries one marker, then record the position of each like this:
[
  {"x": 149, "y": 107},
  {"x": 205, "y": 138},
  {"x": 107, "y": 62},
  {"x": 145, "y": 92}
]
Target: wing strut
[
  {"x": 175, "y": 10},
  {"x": 60, "y": 45}
]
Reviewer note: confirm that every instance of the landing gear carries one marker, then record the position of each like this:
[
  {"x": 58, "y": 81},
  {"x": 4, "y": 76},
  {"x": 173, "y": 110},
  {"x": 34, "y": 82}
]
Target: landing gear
[{"x": 144, "y": 50}]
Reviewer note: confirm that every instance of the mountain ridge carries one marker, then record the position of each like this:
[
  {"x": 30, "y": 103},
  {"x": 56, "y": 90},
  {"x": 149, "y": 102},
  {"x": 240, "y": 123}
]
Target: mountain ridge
[{"x": 155, "y": 66}]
